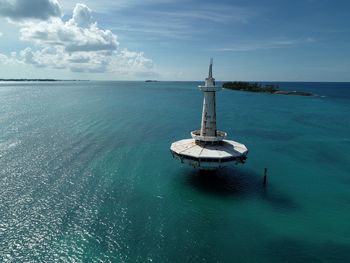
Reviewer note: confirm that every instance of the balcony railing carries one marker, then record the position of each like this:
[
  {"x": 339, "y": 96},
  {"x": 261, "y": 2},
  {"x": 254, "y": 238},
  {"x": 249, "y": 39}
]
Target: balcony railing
[{"x": 220, "y": 135}]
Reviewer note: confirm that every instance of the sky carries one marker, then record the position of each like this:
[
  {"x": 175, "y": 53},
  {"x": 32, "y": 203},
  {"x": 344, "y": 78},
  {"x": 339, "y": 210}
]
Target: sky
[{"x": 249, "y": 40}]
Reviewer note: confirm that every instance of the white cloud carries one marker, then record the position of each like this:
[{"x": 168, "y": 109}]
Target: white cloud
[
  {"x": 1, "y": 34},
  {"x": 182, "y": 22},
  {"x": 82, "y": 16},
  {"x": 33, "y": 9},
  {"x": 28, "y": 56},
  {"x": 9, "y": 60},
  {"x": 123, "y": 61},
  {"x": 106, "y": 6},
  {"x": 77, "y": 44},
  {"x": 222, "y": 14},
  {"x": 3, "y": 58},
  {"x": 69, "y": 35},
  {"x": 264, "y": 45}
]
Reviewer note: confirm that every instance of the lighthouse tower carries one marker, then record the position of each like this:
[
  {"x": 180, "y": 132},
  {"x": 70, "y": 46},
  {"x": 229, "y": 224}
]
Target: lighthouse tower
[
  {"x": 208, "y": 125},
  {"x": 208, "y": 149}
]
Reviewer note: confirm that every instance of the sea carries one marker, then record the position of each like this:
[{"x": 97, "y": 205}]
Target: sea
[{"x": 86, "y": 174}]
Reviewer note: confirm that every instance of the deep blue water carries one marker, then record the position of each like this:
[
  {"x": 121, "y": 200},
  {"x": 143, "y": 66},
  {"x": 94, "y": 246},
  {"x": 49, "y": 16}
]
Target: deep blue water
[{"x": 86, "y": 175}]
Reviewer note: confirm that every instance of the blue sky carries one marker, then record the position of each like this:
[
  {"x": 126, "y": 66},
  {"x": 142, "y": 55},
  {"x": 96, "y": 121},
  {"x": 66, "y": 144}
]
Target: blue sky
[{"x": 302, "y": 40}]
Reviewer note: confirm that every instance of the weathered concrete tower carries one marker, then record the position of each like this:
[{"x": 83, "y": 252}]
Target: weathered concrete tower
[
  {"x": 208, "y": 125},
  {"x": 207, "y": 149}
]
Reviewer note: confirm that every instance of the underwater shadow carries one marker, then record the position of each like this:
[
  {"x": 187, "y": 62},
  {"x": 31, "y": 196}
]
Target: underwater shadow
[
  {"x": 225, "y": 182},
  {"x": 232, "y": 182},
  {"x": 298, "y": 250}
]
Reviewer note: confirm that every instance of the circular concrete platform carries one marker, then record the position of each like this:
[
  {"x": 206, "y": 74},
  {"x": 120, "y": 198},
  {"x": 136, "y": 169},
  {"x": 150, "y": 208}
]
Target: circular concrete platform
[{"x": 209, "y": 156}]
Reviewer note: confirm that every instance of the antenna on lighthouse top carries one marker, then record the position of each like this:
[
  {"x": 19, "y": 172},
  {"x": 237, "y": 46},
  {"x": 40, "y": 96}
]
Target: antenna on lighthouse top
[{"x": 211, "y": 68}]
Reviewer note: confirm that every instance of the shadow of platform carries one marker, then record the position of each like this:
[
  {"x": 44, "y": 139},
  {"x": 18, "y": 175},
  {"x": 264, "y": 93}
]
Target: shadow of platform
[{"x": 236, "y": 183}]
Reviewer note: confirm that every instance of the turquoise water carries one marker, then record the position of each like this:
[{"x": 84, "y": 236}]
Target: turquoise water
[{"x": 86, "y": 175}]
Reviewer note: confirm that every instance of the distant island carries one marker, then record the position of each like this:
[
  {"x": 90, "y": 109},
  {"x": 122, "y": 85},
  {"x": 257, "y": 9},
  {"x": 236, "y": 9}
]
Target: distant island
[
  {"x": 252, "y": 87},
  {"x": 257, "y": 87},
  {"x": 151, "y": 80},
  {"x": 42, "y": 80}
]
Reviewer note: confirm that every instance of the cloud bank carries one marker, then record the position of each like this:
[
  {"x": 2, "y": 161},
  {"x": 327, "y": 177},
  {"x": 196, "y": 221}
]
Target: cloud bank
[{"x": 77, "y": 44}]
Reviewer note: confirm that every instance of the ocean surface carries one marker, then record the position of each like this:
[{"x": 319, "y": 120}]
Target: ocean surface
[{"x": 86, "y": 175}]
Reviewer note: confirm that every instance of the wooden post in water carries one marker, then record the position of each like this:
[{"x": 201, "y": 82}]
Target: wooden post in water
[{"x": 265, "y": 177}]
